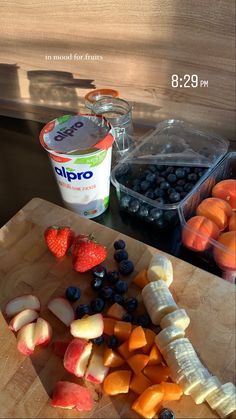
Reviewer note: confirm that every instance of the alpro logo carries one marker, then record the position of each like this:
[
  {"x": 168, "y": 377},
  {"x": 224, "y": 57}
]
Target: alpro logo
[
  {"x": 70, "y": 175},
  {"x": 67, "y": 132}
]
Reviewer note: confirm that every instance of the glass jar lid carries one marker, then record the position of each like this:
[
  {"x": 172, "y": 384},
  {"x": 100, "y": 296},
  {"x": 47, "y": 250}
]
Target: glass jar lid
[{"x": 95, "y": 95}]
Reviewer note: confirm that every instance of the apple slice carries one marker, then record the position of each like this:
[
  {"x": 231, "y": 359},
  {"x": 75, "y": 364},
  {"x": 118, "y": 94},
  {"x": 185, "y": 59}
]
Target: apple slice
[
  {"x": 18, "y": 304},
  {"x": 25, "y": 339},
  {"x": 68, "y": 395},
  {"x": 62, "y": 309},
  {"x": 96, "y": 371},
  {"x": 21, "y": 319},
  {"x": 88, "y": 328},
  {"x": 42, "y": 332},
  {"x": 77, "y": 356}
]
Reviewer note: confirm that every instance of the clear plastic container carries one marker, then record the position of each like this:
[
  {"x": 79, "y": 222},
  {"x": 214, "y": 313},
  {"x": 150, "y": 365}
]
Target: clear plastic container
[
  {"x": 172, "y": 143},
  {"x": 226, "y": 169}
]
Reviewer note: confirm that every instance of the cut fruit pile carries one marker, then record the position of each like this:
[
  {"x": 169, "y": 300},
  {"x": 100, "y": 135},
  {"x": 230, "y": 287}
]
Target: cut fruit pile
[{"x": 109, "y": 349}]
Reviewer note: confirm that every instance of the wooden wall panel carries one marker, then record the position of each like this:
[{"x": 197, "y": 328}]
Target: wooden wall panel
[{"x": 132, "y": 45}]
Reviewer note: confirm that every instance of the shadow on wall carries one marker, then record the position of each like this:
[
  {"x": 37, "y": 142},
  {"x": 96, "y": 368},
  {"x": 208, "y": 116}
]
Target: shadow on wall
[
  {"x": 56, "y": 87},
  {"x": 9, "y": 81}
]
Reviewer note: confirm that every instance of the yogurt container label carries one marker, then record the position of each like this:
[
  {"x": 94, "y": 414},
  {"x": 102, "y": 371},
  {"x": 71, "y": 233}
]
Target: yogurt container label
[{"x": 81, "y": 167}]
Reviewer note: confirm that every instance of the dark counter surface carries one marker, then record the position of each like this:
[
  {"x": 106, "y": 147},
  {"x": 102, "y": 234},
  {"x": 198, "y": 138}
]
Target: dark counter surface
[{"x": 25, "y": 173}]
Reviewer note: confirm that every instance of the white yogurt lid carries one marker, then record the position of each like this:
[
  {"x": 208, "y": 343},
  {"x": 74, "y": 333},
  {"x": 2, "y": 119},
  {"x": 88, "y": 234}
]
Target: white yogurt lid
[{"x": 68, "y": 133}]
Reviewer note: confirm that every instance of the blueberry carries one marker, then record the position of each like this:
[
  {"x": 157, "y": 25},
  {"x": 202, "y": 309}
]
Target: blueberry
[
  {"x": 179, "y": 188},
  {"x": 143, "y": 320},
  {"x": 97, "y": 305},
  {"x": 127, "y": 318},
  {"x": 164, "y": 186},
  {"x": 73, "y": 293},
  {"x": 159, "y": 192},
  {"x": 197, "y": 169},
  {"x": 145, "y": 185},
  {"x": 81, "y": 310},
  {"x": 160, "y": 200},
  {"x": 161, "y": 223},
  {"x": 97, "y": 283},
  {"x": 170, "y": 190},
  {"x": 156, "y": 213},
  {"x": 99, "y": 271},
  {"x": 126, "y": 267},
  {"x": 120, "y": 255},
  {"x": 136, "y": 182},
  {"x": 124, "y": 201},
  {"x": 180, "y": 182},
  {"x": 187, "y": 169},
  {"x": 170, "y": 216},
  {"x": 149, "y": 219},
  {"x": 160, "y": 179},
  {"x": 170, "y": 169},
  {"x": 143, "y": 211},
  {"x": 121, "y": 287},
  {"x": 174, "y": 197},
  {"x": 188, "y": 187},
  {"x": 105, "y": 293},
  {"x": 136, "y": 188},
  {"x": 150, "y": 194},
  {"x": 119, "y": 244},
  {"x": 180, "y": 173},
  {"x": 166, "y": 414},
  {"x": 112, "y": 277},
  {"x": 134, "y": 206},
  {"x": 98, "y": 341},
  {"x": 171, "y": 178},
  {"x": 131, "y": 304},
  {"x": 151, "y": 177},
  {"x": 112, "y": 342},
  {"x": 118, "y": 298},
  {"x": 193, "y": 177}
]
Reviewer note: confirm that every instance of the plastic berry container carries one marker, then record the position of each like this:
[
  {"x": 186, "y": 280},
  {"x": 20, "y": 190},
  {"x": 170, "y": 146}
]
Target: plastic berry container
[
  {"x": 225, "y": 169},
  {"x": 172, "y": 145}
]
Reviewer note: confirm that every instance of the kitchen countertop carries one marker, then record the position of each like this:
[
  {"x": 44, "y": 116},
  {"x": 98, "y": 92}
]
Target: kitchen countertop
[{"x": 25, "y": 173}]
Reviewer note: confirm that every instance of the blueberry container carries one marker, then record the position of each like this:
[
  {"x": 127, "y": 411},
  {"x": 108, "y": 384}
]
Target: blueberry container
[
  {"x": 173, "y": 145},
  {"x": 225, "y": 169}
]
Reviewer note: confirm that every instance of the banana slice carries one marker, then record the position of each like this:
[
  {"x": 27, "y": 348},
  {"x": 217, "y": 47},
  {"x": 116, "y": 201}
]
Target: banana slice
[
  {"x": 227, "y": 407},
  {"x": 153, "y": 286},
  {"x": 193, "y": 379},
  {"x": 167, "y": 335},
  {"x": 158, "y": 302},
  {"x": 220, "y": 395},
  {"x": 160, "y": 267},
  {"x": 179, "y": 348},
  {"x": 204, "y": 389},
  {"x": 178, "y": 318}
]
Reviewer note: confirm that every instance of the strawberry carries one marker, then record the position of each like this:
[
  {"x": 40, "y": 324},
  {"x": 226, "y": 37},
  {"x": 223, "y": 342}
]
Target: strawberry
[
  {"x": 59, "y": 239},
  {"x": 87, "y": 253}
]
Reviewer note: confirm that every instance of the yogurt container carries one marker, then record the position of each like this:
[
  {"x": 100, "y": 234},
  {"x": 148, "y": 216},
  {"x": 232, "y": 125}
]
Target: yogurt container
[{"x": 80, "y": 149}]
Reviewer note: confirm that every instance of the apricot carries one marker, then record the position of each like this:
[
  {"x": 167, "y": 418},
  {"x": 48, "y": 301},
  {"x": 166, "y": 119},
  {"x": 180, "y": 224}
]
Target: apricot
[
  {"x": 217, "y": 210},
  {"x": 198, "y": 232},
  {"x": 226, "y": 259},
  {"x": 226, "y": 189},
  {"x": 232, "y": 222}
]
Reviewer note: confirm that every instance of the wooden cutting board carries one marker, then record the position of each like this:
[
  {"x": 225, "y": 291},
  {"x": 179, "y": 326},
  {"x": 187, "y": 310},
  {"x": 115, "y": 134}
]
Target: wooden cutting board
[{"x": 26, "y": 266}]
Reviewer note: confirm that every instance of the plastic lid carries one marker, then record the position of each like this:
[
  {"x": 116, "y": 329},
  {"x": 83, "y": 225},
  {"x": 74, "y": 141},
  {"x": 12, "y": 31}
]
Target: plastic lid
[
  {"x": 178, "y": 143},
  {"x": 68, "y": 133}
]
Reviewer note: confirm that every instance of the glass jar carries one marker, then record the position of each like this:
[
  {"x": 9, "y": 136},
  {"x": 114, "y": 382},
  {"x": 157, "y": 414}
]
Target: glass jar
[
  {"x": 95, "y": 95},
  {"x": 119, "y": 113}
]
